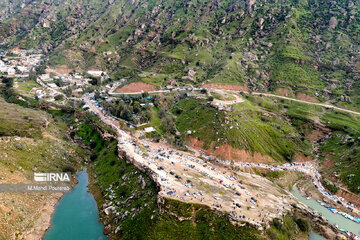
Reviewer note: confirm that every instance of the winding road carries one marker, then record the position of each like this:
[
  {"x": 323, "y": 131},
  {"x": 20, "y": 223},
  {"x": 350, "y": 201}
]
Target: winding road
[{"x": 328, "y": 106}]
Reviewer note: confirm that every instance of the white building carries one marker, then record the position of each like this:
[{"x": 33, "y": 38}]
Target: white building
[
  {"x": 11, "y": 71},
  {"x": 96, "y": 73},
  {"x": 52, "y": 85},
  {"x": 45, "y": 77},
  {"x": 149, "y": 129}
]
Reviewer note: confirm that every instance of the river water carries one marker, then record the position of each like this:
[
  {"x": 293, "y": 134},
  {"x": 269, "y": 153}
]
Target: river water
[
  {"x": 315, "y": 236},
  {"x": 333, "y": 218},
  {"x": 76, "y": 215}
]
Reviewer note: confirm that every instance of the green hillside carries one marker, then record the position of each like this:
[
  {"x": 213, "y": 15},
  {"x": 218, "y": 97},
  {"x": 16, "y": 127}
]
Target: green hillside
[{"x": 307, "y": 46}]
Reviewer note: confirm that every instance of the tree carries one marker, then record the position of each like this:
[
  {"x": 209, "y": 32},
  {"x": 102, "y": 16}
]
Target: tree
[
  {"x": 8, "y": 91},
  {"x": 136, "y": 107},
  {"x": 203, "y": 91},
  {"x": 59, "y": 97},
  {"x": 97, "y": 95},
  {"x": 145, "y": 94},
  {"x": 59, "y": 82},
  {"x": 17, "y": 70},
  {"x": 68, "y": 92},
  {"x": 40, "y": 69},
  {"x": 145, "y": 115},
  {"x": 32, "y": 76}
]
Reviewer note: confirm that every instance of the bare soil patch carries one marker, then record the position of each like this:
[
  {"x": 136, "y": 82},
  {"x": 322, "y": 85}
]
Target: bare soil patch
[
  {"x": 348, "y": 196},
  {"x": 46, "y": 135},
  {"x": 305, "y": 97},
  {"x": 328, "y": 164},
  {"x": 318, "y": 132},
  {"x": 136, "y": 87},
  {"x": 283, "y": 92},
  {"x": 44, "y": 220},
  {"x": 302, "y": 158},
  {"x": 225, "y": 86},
  {"x": 229, "y": 153},
  {"x": 314, "y": 135},
  {"x": 58, "y": 70}
]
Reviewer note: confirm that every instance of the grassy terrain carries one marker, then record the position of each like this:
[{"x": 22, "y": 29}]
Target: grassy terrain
[
  {"x": 341, "y": 147},
  {"x": 289, "y": 227},
  {"x": 25, "y": 86},
  {"x": 19, "y": 121},
  {"x": 30, "y": 141},
  {"x": 246, "y": 128}
]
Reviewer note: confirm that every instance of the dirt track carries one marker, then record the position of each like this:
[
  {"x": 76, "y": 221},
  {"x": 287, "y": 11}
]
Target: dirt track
[
  {"x": 237, "y": 88},
  {"x": 236, "y": 99},
  {"x": 310, "y": 103},
  {"x": 185, "y": 177},
  {"x": 224, "y": 87}
]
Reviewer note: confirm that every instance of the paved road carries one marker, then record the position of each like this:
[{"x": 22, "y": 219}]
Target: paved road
[{"x": 329, "y": 106}]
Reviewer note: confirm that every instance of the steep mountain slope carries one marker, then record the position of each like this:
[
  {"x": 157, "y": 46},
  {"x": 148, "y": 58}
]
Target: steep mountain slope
[
  {"x": 310, "y": 47},
  {"x": 43, "y": 23},
  {"x": 30, "y": 141},
  {"x": 307, "y": 46}
]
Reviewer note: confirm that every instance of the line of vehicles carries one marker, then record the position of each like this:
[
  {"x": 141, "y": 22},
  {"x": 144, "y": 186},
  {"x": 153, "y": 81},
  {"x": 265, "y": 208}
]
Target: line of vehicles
[
  {"x": 307, "y": 169},
  {"x": 160, "y": 155}
]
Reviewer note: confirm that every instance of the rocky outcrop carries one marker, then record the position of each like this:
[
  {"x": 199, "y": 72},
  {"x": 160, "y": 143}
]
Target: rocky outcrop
[
  {"x": 250, "y": 5},
  {"x": 320, "y": 224},
  {"x": 333, "y": 23}
]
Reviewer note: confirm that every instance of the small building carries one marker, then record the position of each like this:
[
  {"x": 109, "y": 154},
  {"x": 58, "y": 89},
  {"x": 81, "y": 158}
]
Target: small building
[
  {"x": 11, "y": 71},
  {"x": 96, "y": 73},
  {"x": 79, "y": 90},
  {"x": 52, "y": 85},
  {"x": 149, "y": 129}
]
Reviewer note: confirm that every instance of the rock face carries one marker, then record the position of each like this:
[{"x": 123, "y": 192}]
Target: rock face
[
  {"x": 250, "y": 4},
  {"x": 333, "y": 23},
  {"x": 322, "y": 225},
  {"x": 250, "y": 57},
  {"x": 107, "y": 229}
]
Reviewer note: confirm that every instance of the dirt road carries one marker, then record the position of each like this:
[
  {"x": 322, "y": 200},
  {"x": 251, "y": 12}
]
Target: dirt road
[
  {"x": 185, "y": 177},
  {"x": 188, "y": 178},
  {"x": 310, "y": 103},
  {"x": 329, "y": 106}
]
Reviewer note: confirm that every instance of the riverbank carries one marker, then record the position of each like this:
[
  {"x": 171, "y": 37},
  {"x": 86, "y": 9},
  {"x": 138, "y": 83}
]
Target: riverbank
[
  {"x": 31, "y": 141},
  {"x": 43, "y": 222},
  {"x": 335, "y": 221},
  {"x": 129, "y": 202}
]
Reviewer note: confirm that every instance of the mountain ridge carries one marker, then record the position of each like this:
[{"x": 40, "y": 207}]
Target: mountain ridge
[{"x": 311, "y": 47}]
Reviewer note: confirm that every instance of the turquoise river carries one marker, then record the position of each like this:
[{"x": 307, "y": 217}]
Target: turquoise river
[
  {"x": 333, "y": 218},
  {"x": 76, "y": 215}
]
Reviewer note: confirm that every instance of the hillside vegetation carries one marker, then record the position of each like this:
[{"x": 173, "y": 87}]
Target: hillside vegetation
[
  {"x": 30, "y": 140},
  {"x": 137, "y": 213},
  {"x": 309, "y": 46}
]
